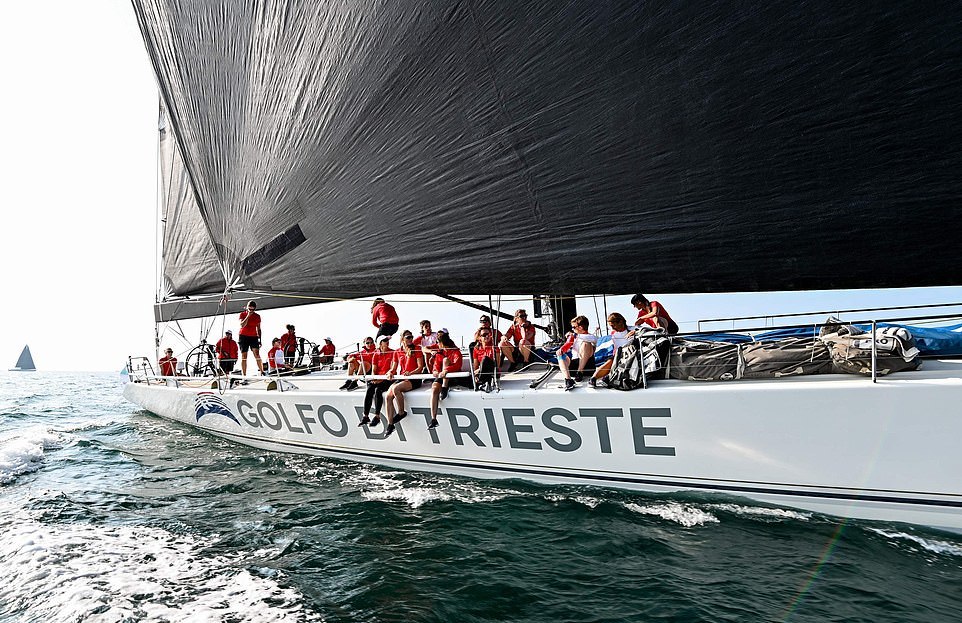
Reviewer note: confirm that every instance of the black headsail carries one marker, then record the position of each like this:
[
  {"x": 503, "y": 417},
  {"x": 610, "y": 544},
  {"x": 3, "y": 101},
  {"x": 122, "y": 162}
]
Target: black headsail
[{"x": 476, "y": 146}]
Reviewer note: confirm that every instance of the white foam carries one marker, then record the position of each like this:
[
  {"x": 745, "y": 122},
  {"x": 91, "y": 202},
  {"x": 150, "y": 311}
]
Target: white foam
[
  {"x": 415, "y": 497},
  {"x": 21, "y": 452},
  {"x": 762, "y": 511},
  {"x": 935, "y": 546},
  {"x": 118, "y": 573},
  {"x": 683, "y": 514}
]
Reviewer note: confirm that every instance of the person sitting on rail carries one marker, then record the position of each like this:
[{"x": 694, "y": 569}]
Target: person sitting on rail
[
  {"x": 168, "y": 363},
  {"x": 446, "y": 361},
  {"x": 427, "y": 343},
  {"x": 408, "y": 361},
  {"x": 382, "y": 362},
  {"x": 384, "y": 317},
  {"x": 578, "y": 352},
  {"x": 359, "y": 362},
  {"x": 227, "y": 352},
  {"x": 619, "y": 337},
  {"x": 522, "y": 332},
  {"x": 275, "y": 358},
  {"x": 484, "y": 359},
  {"x": 485, "y": 321},
  {"x": 653, "y": 314},
  {"x": 289, "y": 346},
  {"x": 327, "y": 351}
]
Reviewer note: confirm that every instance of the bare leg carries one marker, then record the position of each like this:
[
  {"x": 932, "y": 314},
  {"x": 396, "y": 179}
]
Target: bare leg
[
  {"x": 603, "y": 369},
  {"x": 257, "y": 358},
  {"x": 585, "y": 353},
  {"x": 563, "y": 366},
  {"x": 525, "y": 352},
  {"x": 244, "y": 363},
  {"x": 507, "y": 351},
  {"x": 435, "y": 396}
]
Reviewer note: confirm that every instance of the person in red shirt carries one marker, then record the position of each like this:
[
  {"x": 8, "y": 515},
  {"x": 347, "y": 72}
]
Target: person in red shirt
[
  {"x": 485, "y": 321},
  {"x": 275, "y": 358},
  {"x": 447, "y": 361},
  {"x": 484, "y": 360},
  {"x": 384, "y": 317},
  {"x": 382, "y": 362},
  {"x": 226, "y": 349},
  {"x": 168, "y": 363},
  {"x": 289, "y": 346},
  {"x": 359, "y": 362},
  {"x": 653, "y": 314},
  {"x": 522, "y": 332},
  {"x": 408, "y": 361},
  {"x": 250, "y": 336},
  {"x": 327, "y": 351}
]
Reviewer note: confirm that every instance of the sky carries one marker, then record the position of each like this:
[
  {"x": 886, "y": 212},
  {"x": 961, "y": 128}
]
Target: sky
[{"x": 78, "y": 115}]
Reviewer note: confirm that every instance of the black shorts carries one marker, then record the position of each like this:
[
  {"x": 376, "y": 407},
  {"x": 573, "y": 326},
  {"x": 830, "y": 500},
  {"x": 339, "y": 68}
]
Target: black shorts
[
  {"x": 247, "y": 342},
  {"x": 455, "y": 381},
  {"x": 386, "y": 329},
  {"x": 227, "y": 365},
  {"x": 415, "y": 383}
]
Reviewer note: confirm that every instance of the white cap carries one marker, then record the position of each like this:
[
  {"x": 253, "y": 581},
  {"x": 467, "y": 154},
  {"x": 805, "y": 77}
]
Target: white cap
[
  {"x": 443, "y": 330},
  {"x": 327, "y": 339},
  {"x": 384, "y": 338}
]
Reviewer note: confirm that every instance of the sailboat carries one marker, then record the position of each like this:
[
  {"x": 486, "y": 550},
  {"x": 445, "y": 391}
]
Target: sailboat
[
  {"x": 315, "y": 151},
  {"x": 24, "y": 362}
]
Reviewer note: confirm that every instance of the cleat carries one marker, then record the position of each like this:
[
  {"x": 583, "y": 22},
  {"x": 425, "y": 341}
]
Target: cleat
[{"x": 364, "y": 420}]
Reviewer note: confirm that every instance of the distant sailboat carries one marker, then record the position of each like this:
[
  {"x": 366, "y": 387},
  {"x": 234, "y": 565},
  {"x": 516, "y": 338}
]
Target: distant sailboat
[{"x": 25, "y": 362}]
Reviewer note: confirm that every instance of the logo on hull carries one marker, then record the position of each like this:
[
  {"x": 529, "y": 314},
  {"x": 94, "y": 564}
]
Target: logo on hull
[{"x": 209, "y": 402}]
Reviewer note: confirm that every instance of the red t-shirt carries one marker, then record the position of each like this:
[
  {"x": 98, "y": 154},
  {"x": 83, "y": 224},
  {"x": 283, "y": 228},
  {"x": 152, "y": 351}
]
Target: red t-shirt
[
  {"x": 454, "y": 358},
  {"x": 408, "y": 364},
  {"x": 289, "y": 342},
  {"x": 383, "y": 313},
  {"x": 365, "y": 355},
  {"x": 382, "y": 361},
  {"x": 521, "y": 334},
  {"x": 168, "y": 366},
  {"x": 327, "y": 349},
  {"x": 653, "y": 306},
  {"x": 480, "y": 352},
  {"x": 252, "y": 328},
  {"x": 226, "y": 348}
]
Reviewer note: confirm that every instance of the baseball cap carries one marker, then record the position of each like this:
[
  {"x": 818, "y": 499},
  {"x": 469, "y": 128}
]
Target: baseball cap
[
  {"x": 443, "y": 330},
  {"x": 327, "y": 339},
  {"x": 384, "y": 338}
]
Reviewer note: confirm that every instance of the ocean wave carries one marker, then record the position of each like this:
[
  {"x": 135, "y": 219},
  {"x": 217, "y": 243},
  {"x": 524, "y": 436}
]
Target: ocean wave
[
  {"x": 116, "y": 573},
  {"x": 683, "y": 514},
  {"x": 22, "y": 452},
  {"x": 762, "y": 512},
  {"x": 929, "y": 544},
  {"x": 375, "y": 484}
]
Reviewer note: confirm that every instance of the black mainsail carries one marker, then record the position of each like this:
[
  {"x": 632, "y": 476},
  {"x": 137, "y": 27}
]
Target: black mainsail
[
  {"x": 24, "y": 362},
  {"x": 347, "y": 148}
]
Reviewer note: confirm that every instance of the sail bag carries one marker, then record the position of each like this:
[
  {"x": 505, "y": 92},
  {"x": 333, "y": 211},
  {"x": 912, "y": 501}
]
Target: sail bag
[{"x": 648, "y": 351}]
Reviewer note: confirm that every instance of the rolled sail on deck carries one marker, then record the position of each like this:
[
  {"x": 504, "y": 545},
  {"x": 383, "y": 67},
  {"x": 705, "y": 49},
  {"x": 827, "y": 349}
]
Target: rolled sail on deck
[{"x": 567, "y": 147}]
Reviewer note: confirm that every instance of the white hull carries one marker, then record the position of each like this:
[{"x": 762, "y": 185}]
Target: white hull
[{"x": 831, "y": 444}]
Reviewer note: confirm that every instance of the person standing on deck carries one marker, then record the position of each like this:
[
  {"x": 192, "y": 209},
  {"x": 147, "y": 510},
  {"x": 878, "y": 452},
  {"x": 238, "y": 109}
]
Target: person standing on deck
[
  {"x": 653, "y": 314},
  {"x": 289, "y": 346},
  {"x": 227, "y": 352},
  {"x": 250, "y": 336},
  {"x": 168, "y": 363},
  {"x": 384, "y": 317}
]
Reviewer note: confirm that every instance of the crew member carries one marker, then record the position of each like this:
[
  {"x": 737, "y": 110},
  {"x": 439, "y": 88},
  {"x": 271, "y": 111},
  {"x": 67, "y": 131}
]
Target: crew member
[
  {"x": 384, "y": 317},
  {"x": 227, "y": 352},
  {"x": 250, "y": 336},
  {"x": 168, "y": 363}
]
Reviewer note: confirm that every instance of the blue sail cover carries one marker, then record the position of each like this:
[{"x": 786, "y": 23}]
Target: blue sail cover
[{"x": 572, "y": 147}]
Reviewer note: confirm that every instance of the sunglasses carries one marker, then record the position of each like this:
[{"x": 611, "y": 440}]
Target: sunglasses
[{"x": 485, "y": 335}]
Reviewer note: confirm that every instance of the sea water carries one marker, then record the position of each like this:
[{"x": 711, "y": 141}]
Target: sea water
[{"x": 109, "y": 513}]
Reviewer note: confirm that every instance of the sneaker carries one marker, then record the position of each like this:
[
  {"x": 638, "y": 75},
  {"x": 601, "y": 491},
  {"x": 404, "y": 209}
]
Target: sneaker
[
  {"x": 376, "y": 421},
  {"x": 579, "y": 376},
  {"x": 352, "y": 385},
  {"x": 364, "y": 420},
  {"x": 346, "y": 384},
  {"x": 593, "y": 382},
  {"x": 444, "y": 393},
  {"x": 433, "y": 424},
  {"x": 512, "y": 367},
  {"x": 388, "y": 430},
  {"x": 400, "y": 416},
  {"x": 569, "y": 384}
]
